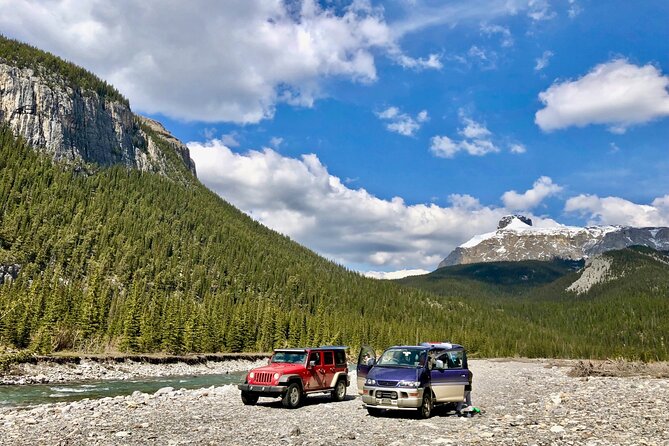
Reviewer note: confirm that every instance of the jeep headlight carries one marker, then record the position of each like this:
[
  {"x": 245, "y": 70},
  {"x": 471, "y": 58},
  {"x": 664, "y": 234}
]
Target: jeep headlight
[
  {"x": 276, "y": 376},
  {"x": 370, "y": 382},
  {"x": 252, "y": 375},
  {"x": 409, "y": 383}
]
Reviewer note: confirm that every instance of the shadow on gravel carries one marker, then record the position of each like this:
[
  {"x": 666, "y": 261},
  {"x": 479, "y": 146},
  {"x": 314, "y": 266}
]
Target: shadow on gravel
[
  {"x": 311, "y": 400},
  {"x": 437, "y": 412}
]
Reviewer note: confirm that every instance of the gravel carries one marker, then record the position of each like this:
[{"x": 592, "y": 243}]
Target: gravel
[
  {"x": 49, "y": 372},
  {"x": 524, "y": 403}
]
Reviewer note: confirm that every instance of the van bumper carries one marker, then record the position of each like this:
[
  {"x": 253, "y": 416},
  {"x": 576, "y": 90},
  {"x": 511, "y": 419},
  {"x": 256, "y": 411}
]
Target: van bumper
[{"x": 392, "y": 397}]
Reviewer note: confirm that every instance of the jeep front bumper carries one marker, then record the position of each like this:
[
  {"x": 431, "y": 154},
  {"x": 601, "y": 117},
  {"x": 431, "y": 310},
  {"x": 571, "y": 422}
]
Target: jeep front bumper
[
  {"x": 260, "y": 390},
  {"x": 392, "y": 397}
]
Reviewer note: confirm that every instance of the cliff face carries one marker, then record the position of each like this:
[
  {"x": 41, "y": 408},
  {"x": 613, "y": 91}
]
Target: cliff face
[
  {"x": 517, "y": 240},
  {"x": 75, "y": 125}
]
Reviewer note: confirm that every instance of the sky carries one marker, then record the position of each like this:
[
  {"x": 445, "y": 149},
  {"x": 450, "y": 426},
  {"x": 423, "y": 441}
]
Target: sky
[{"x": 383, "y": 134}]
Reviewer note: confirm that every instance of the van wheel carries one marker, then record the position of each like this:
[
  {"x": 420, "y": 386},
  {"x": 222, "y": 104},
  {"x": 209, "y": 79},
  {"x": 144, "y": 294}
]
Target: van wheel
[
  {"x": 425, "y": 409},
  {"x": 339, "y": 391},
  {"x": 293, "y": 397},
  {"x": 249, "y": 399}
]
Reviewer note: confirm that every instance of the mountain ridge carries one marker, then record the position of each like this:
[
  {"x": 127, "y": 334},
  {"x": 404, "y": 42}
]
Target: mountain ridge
[
  {"x": 516, "y": 240},
  {"x": 73, "y": 116}
]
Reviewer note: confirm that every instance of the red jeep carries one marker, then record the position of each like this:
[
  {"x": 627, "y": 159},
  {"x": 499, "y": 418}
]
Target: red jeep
[{"x": 294, "y": 373}]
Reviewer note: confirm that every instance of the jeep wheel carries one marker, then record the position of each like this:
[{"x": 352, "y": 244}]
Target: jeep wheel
[
  {"x": 249, "y": 399},
  {"x": 425, "y": 409},
  {"x": 293, "y": 397},
  {"x": 339, "y": 391}
]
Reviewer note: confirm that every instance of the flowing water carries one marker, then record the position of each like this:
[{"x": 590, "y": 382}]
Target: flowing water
[{"x": 31, "y": 394}]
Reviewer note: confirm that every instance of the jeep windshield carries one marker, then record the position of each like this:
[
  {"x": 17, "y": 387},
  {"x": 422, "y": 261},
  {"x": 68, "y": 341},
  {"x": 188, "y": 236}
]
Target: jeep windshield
[
  {"x": 402, "y": 357},
  {"x": 289, "y": 357}
]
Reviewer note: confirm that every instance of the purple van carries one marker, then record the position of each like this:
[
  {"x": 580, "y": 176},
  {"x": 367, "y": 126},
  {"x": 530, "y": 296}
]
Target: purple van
[{"x": 413, "y": 377}]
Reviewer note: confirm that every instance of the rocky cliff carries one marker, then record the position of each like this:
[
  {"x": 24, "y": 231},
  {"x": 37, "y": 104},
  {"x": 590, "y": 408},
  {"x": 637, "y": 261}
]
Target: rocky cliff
[
  {"x": 73, "y": 121},
  {"x": 516, "y": 239}
]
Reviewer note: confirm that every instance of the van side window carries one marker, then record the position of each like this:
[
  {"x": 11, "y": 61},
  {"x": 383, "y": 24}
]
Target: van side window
[
  {"x": 328, "y": 358},
  {"x": 452, "y": 359}
]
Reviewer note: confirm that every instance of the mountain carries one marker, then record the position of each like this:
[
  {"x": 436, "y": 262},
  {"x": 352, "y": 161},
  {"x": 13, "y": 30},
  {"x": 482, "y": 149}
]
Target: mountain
[
  {"x": 112, "y": 248},
  {"x": 516, "y": 239},
  {"x": 615, "y": 302},
  {"x": 69, "y": 114}
]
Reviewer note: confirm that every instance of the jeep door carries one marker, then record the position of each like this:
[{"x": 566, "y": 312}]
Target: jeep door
[
  {"x": 449, "y": 376},
  {"x": 316, "y": 371},
  {"x": 366, "y": 360},
  {"x": 329, "y": 368}
]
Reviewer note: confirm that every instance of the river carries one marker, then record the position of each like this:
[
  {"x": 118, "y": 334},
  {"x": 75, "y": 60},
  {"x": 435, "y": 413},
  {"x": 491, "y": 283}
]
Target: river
[{"x": 32, "y": 394}]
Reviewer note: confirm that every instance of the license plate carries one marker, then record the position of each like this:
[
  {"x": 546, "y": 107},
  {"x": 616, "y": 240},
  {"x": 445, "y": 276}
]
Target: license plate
[{"x": 386, "y": 401}]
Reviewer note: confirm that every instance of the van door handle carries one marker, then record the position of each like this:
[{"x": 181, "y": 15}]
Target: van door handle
[{"x": 464, "y": 376}]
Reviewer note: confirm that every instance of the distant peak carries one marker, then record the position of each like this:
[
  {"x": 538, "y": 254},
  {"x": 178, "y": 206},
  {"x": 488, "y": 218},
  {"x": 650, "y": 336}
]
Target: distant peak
[{"x": 514, "y": 221}]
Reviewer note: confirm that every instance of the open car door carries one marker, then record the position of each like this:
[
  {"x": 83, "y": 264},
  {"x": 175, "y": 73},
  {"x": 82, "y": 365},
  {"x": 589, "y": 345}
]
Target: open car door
[{"x": 366, "y": 360}]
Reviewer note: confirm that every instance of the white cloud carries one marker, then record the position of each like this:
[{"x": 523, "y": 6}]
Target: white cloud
[
  {"x": 396, "y": 274},
  {"x": 517, "y": 148},
  {"x": 504, "y": 32},
  {"x": 403, "y": 123},
  {"x": 219, "y": 61},
  {"x": 477, "y": 141},
  {"x": 301, "y": 199},
  {"x": 540, "y": 10},
  {"x": 574, "y": 9},
  {"x": 543, "y": 61},
  {"x": 229, "y": 139},
  {"x": 618, "y": 94},
  {"x": 275, "y": 141},
  {"x": 531, "y": 198},
  {"x": 618, "y": 211}
]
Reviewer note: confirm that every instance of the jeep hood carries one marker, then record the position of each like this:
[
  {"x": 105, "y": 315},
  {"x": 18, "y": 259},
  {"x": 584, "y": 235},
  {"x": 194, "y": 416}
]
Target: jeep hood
[
  {"x": 280, "y": 368},
  {"x": 394, "y": 373}
]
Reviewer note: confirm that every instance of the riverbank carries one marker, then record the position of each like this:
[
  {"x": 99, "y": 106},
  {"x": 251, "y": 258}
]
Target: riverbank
[
  {"x": 61, "y": 369},
  {"x": 524, "y": 402}
]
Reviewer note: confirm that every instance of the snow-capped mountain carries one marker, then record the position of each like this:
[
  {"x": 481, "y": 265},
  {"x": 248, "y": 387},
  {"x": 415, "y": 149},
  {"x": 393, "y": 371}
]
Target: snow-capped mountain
[{"x": 516, "y": 239}]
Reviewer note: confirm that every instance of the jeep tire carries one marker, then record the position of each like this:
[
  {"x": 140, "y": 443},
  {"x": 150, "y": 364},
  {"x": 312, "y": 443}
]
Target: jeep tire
[
  {"x": 249, "y": 399},
  {"x": 339, "y": 391},
  {"x": 293, "y": 397},
  {"x": 425, "y": 409}
]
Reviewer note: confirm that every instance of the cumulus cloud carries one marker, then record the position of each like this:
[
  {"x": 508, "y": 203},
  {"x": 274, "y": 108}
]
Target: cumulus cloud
[
  {"x": 531, "y": 198},
  {"x": 233, "y": 63},
  {"x": 543, "y": 61},
  {"x": 477, "y": 141},
  {"x": 618, "y": 211},
  {"x": 300, "y": 198},
  {"x": 617, "y": 93},
  {"x": 402, "y": 123}
]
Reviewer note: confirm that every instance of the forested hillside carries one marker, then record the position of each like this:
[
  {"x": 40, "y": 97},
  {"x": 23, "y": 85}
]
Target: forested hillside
[
  {"x": 136, "y": 262},
  {"x": 625, "y": 316}
]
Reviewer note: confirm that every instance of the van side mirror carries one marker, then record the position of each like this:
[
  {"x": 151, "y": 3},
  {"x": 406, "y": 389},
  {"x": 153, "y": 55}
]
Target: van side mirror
[
  {"x": 370, "y": 362},
  {"x": 439, "y": 364}
]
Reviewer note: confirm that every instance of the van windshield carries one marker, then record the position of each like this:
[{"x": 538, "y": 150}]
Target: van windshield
[
  {"x": 402, "y": 357},
  {"x": 289, "y": 357}
]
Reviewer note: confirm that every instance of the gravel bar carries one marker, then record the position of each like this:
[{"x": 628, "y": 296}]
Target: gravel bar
[{"x": 524, "y": 403}]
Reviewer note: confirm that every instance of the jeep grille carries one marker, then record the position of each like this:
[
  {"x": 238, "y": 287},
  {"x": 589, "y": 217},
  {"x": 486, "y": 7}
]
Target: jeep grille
[
  {"x": 386, "y": 394},
  {"x": 387, "y": 383},
  {"x": 263, "y": 377}
]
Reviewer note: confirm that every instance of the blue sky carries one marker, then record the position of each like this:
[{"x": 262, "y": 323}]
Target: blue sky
[{"x": 384, "y": 134}]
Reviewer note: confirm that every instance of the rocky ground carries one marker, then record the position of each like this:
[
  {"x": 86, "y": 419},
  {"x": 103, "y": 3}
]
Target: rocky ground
[
  {"x": 88, "y": 369},
  {"x": 524, "y": 403}
]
